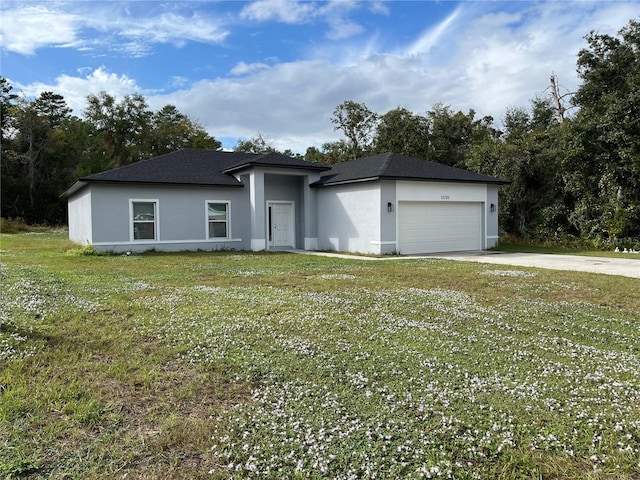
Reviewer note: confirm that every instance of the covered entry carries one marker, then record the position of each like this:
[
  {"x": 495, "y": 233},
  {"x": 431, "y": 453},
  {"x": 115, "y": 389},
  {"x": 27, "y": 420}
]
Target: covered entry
[{"x": 430, "y": 227}]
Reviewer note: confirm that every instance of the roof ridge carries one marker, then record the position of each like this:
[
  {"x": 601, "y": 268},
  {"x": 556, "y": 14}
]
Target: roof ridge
[{"x": 387, "y": 162}]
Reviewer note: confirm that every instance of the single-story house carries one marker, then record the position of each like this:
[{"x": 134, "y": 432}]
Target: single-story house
[{"x": 210, "y": 200}]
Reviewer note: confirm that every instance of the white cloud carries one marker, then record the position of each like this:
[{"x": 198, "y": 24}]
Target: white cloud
[
  {"x": 433, "y": 36},
  {"x": 76, "y": 89},
  {"x": 335, "y": 13},
  {"x": 285, "y": 11},
  {"x": 379, "y": 7},
  {"x": 485, "y": 61},
  {"x": 24, "y": 30},
  {"x": 245, "y": 68},
  {"x": 165, "y": 28},
  {"x": 474, "y": 59}
]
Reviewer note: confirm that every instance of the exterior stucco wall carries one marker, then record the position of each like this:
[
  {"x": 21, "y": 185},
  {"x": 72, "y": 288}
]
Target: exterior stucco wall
[
  {"x": 79, "y": 208},
  {"x": 492, "y": 217},
  {"x": 349, "y": 217},
  {"x": 441, "y": 192},
  {"x": 181, "y": 218},
  {"x": 388, "y": 217},
  {"x": 358, "y": 217}
]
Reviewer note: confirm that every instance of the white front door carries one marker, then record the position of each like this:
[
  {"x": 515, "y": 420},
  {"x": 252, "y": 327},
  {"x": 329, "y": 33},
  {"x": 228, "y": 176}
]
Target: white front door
[{"x": 281, "y": 225}]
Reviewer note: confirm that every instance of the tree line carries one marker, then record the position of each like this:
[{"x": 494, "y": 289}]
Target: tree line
[{"x": 572, "y": 159}]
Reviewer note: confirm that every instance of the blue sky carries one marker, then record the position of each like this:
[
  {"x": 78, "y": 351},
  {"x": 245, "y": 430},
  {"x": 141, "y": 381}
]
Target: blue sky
[{"x": 279, "y": 68}]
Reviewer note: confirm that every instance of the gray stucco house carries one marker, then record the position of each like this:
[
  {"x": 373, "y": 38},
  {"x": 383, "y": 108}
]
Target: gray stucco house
[{"x": 209, "y": 200}]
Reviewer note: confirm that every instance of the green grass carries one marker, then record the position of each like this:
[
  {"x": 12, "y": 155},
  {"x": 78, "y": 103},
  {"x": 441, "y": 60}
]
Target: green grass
[
  {"x": 242, "y": 365},
  {"x": 561, "y": 250}
]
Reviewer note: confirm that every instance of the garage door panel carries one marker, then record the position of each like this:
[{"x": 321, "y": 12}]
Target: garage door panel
[{"x": 425, "y": 227}]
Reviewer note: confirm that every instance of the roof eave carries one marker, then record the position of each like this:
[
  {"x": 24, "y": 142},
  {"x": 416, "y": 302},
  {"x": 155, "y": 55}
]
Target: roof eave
[
  {"x": 448, "y": 180},
  {"x": 248, "y": 165},
  {"x": 82, "y": 183},
  {"x": 76, "y": 187},
  {"x": 320, "y": 183}
]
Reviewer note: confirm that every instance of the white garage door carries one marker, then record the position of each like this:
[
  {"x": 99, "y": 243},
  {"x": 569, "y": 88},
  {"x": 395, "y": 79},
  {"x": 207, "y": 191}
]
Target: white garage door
[{"x": 428, "y": 227}]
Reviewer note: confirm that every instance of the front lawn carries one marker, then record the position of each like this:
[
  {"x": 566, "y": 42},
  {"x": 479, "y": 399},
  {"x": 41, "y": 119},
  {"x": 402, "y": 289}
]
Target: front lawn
[{"x": 242, "y": 365}]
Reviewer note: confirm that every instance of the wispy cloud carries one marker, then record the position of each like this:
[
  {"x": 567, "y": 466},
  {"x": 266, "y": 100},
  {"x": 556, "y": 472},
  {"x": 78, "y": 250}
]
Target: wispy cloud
[
  {"x": 247, "y": 68},
  {"x": 24, "y": 30},
  {"x": 164, "y": 28},
  {"x": 334, "y": 13},
  {"x": 433, "y": 36},
  {"x": 285, "y": 11}
]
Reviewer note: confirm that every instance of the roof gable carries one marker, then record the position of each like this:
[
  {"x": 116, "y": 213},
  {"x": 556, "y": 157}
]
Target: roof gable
[{"x": 394, "y": 166}]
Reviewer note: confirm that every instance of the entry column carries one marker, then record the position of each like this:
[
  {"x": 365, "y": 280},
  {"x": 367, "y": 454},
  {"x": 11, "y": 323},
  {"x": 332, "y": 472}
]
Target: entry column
[
  {"x": 258, "y": 222},
  {"x": 310, "y": 212}
]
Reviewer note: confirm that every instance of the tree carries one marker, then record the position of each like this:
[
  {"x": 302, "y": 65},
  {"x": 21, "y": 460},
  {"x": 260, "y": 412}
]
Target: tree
[
  {"x": 453, "y": 134},
  {"x": 559, "y": 98},
  {"x": 257, "y": 144},
  {"x": 528, "y": 154},
  {"x": 171, "y": 131},
  {"x": 52, "y": 107},
  {"x": 336, "y": 152},
  {"x": 125, "y": 127},
  {"x": 45, "y": 148},
  {"x": 34, "y": 166},
  {"x": 603, "y": 163},
  {"x": 402, "y": 131},
  {"x": 357, "y": 123},
  {"x": 314, "y": 155},
  {"x": 7, "y": 100}
]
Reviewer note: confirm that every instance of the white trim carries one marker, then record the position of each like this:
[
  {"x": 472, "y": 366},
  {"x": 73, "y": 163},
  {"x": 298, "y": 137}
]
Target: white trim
[
  {"x": 156, "y": 220},
  {"x": 258, "y": 244},
  {"x": 377, "y": 242},
  {"x": 493, "y": 236},
  {"x": 151, "y": 242},
  {"x": 311, "y": 243},
  {"x": 206, "y": 217}
]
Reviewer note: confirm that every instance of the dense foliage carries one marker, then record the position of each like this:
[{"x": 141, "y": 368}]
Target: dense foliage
[
  {"x": 571, "y": 177},
  {"x": 45, "y": 148}
]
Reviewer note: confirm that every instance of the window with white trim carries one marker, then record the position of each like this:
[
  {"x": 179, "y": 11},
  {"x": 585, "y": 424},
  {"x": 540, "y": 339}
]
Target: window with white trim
[
  {"x": 217, "y": 219},
  {"x": 144, "y": 216}
]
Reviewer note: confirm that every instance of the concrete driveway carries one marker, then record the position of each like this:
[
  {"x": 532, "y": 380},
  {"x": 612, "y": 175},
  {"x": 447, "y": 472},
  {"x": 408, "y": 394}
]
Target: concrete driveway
[{"x": 626, "y": 267}]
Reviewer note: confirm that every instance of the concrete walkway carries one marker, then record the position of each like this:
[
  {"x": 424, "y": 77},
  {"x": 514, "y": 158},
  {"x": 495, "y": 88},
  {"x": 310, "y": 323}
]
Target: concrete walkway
[{"x": 625, "y": 267}]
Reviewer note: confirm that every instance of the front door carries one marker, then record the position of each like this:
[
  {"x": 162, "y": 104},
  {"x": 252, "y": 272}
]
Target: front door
[{"x": 281, "y": 225}]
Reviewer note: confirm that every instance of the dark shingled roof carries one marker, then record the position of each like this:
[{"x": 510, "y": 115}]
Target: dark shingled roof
[
  {"x": 394, "y": 166},
  {"x": 193, "y": 167},
  {"x": 276, "y": 160},
  {"x": 215, "y": 168}
]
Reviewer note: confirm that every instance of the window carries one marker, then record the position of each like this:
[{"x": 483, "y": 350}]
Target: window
[
  {"x": 218, "y": 219},
  {"x": 144, "y": 217}
]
